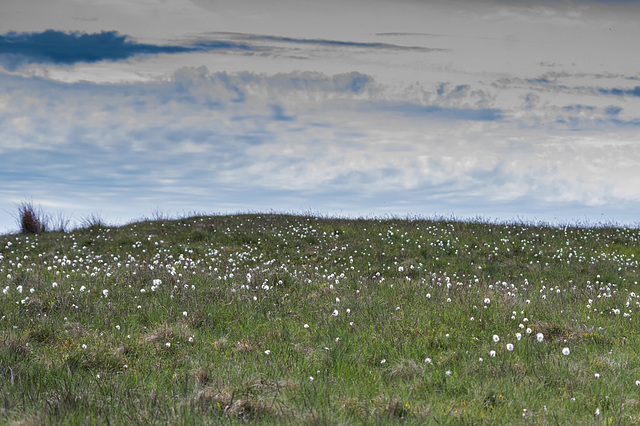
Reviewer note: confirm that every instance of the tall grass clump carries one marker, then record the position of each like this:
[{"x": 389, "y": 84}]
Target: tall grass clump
[
  {"x": 93, "y": 220},
  {"x": 31, "y": 220},
  {"x": 59, "y": 223}
]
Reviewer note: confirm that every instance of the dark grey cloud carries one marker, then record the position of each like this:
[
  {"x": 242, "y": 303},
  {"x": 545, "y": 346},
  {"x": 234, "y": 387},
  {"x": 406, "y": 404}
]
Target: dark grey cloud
[
  {"x": 433, "y": 111},
  {"x": 613, "y": 110},
  {"x": 324, "y": 42},
  {"x": 570, "y": 2},
  {"x": 635, "y": 92},
  {"x": 578, "y": 117},
  {"x": 398, "y": 34},
  {"x": 578, "y": 108},
  {"x": 63, "y": 48},
  {"x": 564, "y": 83},
  {"x": 352, "y": 82},
  {"x": 279, "y": 113}
]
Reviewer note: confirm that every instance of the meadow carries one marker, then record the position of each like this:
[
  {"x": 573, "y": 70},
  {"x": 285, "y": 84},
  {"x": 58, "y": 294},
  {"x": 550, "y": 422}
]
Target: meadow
[{"x": 284, "y": 319}]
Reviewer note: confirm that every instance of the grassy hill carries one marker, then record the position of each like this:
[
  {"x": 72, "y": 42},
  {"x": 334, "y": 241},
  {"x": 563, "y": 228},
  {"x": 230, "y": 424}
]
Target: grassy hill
[{"x": 303, "y": 320}]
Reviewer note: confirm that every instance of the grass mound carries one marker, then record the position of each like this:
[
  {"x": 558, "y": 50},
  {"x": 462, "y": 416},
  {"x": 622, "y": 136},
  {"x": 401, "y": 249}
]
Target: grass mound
[{"x": 272, "y": 319}]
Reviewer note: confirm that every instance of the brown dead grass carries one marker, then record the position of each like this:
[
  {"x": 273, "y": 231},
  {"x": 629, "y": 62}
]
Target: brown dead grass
[{"x": 168, "y": 333}]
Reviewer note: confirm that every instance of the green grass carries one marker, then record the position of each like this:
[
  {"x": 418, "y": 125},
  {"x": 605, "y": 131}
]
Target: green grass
[{"x": 282, "y": 319}]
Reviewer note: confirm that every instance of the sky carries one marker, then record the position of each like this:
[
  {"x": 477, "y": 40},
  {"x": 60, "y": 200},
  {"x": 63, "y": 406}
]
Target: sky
[{"x": 498, "y": 110}]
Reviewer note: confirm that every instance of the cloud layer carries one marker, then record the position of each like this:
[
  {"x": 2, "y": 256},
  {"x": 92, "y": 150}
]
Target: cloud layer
[
  {"x": 300, "y": 140},
  {"x": 455, "y": 111}
]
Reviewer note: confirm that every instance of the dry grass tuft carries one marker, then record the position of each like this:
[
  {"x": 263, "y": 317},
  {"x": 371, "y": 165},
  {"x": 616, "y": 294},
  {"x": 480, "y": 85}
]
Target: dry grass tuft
[
  {"x": 15, "y": 348},
  {"x": 168, "y": 333},
  {"x": 278, "y": 386},
  {"x": 203, "y": 375},
  {"x": 406, "y": 369},
  {"x": 552, "y": 331},
  {"x": 219, "y": 344},
  {"x": 379, "y": 407},
  {"x": 353, "y": 406},
  {"x": 247, "y": 408},
  {"x": 243, "y": 346},
  {"x": 75, "y": 330},
  {"x": 29, "y": 420},
  {"x": 390, "y": 407}
]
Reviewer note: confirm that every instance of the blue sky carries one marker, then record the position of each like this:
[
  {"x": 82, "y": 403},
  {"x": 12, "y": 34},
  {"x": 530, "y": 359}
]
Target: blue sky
[{"x": 506, "y": 110}]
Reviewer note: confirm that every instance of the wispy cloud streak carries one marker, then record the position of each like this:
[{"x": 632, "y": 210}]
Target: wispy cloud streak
[{"x": 325, "y": 42}]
